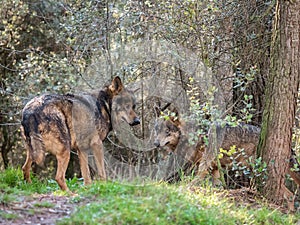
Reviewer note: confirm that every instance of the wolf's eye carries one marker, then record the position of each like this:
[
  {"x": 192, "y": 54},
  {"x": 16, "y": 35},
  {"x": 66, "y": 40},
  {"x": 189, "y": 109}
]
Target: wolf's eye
[{"x": 167, "y": 131}]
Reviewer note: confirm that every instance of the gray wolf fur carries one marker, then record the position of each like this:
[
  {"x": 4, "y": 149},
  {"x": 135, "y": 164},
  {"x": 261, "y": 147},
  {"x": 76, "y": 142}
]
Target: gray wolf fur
[
  {"x": 59, "y": 123},
  {"x": 171, "y": 134}
]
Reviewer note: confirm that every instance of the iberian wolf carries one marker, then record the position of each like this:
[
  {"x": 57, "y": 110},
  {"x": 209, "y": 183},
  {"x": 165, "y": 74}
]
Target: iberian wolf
[
  {"x": 59, "y": 123},
  {"x": 172, "y": 135}
]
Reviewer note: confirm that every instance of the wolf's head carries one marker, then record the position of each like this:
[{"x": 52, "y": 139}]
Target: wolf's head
[
  {"x": 123, "y": 103},
  {"x": 167, "y": 133}
]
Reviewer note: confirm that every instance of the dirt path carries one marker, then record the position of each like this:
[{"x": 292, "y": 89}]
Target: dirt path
[{"x": 36, "y": 209}]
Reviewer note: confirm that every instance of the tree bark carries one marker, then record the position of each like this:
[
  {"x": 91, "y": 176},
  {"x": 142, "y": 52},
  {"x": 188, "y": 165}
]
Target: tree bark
[{"x": 281, "y": 99}]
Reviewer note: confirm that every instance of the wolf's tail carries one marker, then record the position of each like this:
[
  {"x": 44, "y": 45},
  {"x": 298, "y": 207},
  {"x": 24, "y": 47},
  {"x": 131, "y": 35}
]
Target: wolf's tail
[{"x": 33, "y": 138}]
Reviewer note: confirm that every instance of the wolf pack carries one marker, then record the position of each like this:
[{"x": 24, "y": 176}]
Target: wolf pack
[{"x": 60, "y": 124}]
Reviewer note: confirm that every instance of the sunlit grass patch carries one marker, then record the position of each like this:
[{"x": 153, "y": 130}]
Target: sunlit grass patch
[
  {"x": 115, "y": 203},
  {"x": 11, "y": 180},
  {"x": 149, "y": 204}
]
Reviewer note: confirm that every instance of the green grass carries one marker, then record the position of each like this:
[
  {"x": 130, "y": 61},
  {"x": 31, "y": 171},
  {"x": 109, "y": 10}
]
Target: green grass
[
  {"x": 44, "y": 205},
  {"x": 11, "y": 181},
  {"x": 154, "y": 203},
  {"x": 114, "y": 203},
  {"x": 8, "y": 216}
]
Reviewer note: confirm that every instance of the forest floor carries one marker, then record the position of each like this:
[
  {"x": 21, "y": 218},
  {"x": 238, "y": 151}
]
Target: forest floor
[
  {"x": 47, "y": 209},
  {"x": 37, "y": 209},
  {"x": 41, "y": 202}
]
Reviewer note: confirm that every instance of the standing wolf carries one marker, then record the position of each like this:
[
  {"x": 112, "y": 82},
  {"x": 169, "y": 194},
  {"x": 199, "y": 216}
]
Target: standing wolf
[{"x": 59, "y": 123}]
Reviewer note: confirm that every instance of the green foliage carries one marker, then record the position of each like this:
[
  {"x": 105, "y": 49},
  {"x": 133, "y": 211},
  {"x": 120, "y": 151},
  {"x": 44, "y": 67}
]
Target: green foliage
[
  {"x": 48, "y": 73},
  {"x": 295, "y": 168},
  {"x": 200, "y": 111},
  {"x": 229, "y": 152},
  {"x": 246, "y": 112},
  {"x": 258, "y": 169},
  {"x": 254, "y": 167},
  {"x": 250, "y": 167},
  {"x": 12, "y": 18},
  {"x": 205, "y": 111}
]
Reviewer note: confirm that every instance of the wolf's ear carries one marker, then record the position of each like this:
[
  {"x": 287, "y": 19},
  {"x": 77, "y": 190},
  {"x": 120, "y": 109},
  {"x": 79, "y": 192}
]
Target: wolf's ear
[
  {"x": 157, "y": 111},
  {"x": 176, "y": 121},
  {"x": 116, "y": 85}
]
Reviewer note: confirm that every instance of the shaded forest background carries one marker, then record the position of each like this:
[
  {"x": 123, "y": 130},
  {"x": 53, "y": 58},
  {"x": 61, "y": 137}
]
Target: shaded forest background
[{"x": 69, "y": 46}]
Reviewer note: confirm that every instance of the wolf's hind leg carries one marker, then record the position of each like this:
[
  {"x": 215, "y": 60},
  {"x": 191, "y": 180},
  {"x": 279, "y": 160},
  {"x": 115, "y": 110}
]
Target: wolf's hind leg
[
  {"x": 26, "y": 167},
  {"x": 62, "y": 165}
]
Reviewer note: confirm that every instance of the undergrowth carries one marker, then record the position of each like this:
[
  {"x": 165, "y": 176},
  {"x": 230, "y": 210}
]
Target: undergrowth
[{"x": 151, "y": 203}]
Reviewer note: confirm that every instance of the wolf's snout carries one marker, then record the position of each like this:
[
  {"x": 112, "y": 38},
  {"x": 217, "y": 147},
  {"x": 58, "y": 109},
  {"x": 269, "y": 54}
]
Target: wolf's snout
[
  {"x": 156, "y": 143},
  {"x": 136, "y": 121}
]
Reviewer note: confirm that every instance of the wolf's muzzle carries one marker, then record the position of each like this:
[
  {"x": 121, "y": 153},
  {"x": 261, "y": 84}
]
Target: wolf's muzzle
[
  {"x": 136, "y": 121},
  {"x": 156, "y": 143}
]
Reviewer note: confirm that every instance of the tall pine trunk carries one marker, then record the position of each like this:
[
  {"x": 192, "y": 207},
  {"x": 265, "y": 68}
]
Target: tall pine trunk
[{"x": 281, "y": 97}]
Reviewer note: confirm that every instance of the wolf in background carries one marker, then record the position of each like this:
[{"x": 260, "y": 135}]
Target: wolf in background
[{"x": 171, "y": 134}]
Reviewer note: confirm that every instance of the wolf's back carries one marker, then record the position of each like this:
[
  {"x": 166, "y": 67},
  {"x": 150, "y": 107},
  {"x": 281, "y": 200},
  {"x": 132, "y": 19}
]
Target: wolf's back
[
  {"x": 39, "y": 116},
  {"x": 243, "y": 133}
]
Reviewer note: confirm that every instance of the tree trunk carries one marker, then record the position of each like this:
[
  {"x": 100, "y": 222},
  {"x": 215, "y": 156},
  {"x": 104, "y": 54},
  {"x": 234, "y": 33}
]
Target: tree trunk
[
  {"x": 6, "y": 145},
  {"x": 281, "y": 98}
]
